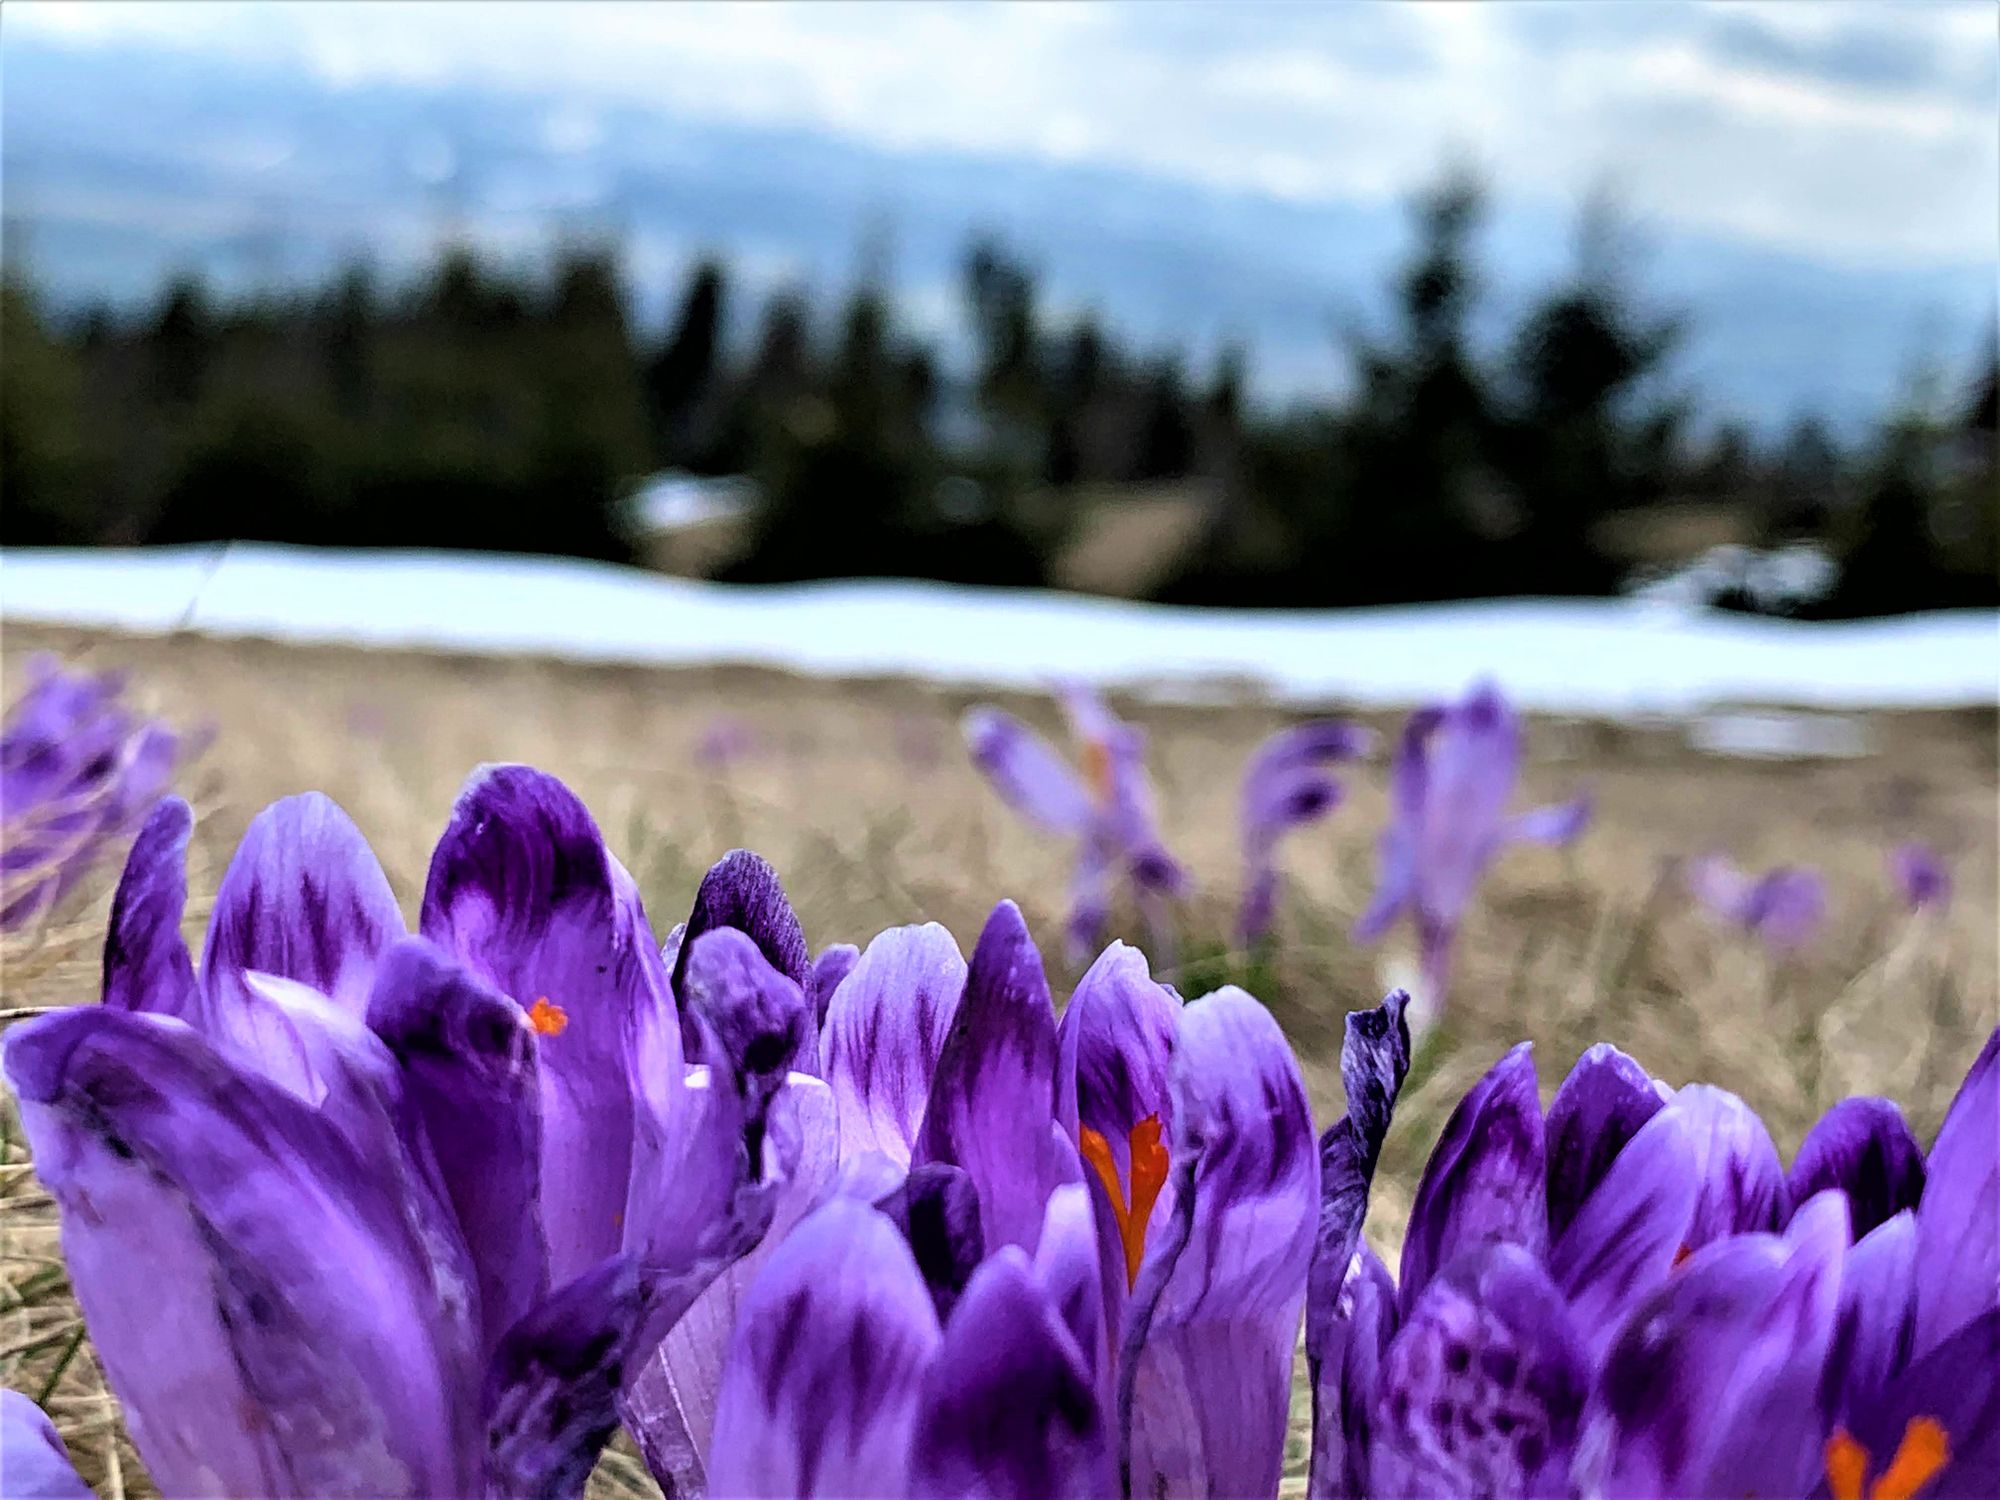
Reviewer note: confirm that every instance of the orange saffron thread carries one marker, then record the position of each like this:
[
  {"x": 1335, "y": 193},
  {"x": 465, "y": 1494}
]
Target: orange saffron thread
[
  {"x": 1920, "y": 1457},
  {"x": 1149, "y": 1175},
  {"x": 547, "y": 1018}
]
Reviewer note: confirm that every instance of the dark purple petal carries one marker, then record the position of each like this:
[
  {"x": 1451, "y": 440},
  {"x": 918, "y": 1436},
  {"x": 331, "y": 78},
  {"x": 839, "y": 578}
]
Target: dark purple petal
[
  {"x": 1206, "y": 1352},
  {"x": 146, "y": 963},
  {"x": 1069, "y": 1270},
  {"x": 1286, "y": 786},
  {"x": 302, "y": 1326},
  {"x": 1958, "y": 1222},
  {"x": 1115, "y": 776},
  {"x": 937, "y": 1209},
  {"x": 883, "y": 1031},
  {"x": 1719, "y": 1368},
  {"x": 833, "y": 965},
  {"x": 1598, "y": 1108},
  {"x": 992, "y": 1104},
  {"x": 1626, "y": 1238},
  {"x": 1009, "y": 1411},
  {"x": 305, "y": 899},
  {"x": 470, "y": 1081},
  {"x": 820, "y": 1392},
  {"x": 1029, "y": 776},
  {"x": 758, "y": 1018},
  {"x": 1864, "y": 1147},
  {"x": 1089, "y": 898},
  {"x": 1787, "y": 907},
  {"x": 551, "y": 1396},
  {"x": 1356, "y": 1330},
  {"x": 742, "y": 891},
  {"x": 1486, "y": 1178},
  {"x": 1741, "y": 1185},
  {"x": 524, "y": 894},
  {"x": 1957, "y": 1386},
  {"x": 1482, "y": 1391},
  {"x": 1878, "y": 1311},
  {"x": 1559, "y": 823},
  {"x": 1374, "y": 1059},
  {"x": 1116, "y": 1040},
  {"x": 1921, "y": 875},
  {"x": 33, "y": 1460}
]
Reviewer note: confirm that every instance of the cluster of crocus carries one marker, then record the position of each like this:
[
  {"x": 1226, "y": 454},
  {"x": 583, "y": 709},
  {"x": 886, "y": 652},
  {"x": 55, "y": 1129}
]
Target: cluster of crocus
[
  {"x": 1629, "y": 1295},
  {"x": 1453, "y": 777},
  {"x": 78, "y": 771}
]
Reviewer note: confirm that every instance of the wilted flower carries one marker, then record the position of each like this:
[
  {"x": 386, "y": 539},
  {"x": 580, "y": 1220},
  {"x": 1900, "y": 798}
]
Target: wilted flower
[
  {"x": 78, "y": 771},
  {"x": 1920, "y": 874},
  {"x": 407, "y": 1208},
  {"x": 1783, "y": 908},
  {"x": 1286, "y": 785},
  {"x": 33, "y": 1460},
  {"x": 1452, "y": 778},
  {"x": 1108, "y": 809},
  {"x": 1629, "y": 1296}
]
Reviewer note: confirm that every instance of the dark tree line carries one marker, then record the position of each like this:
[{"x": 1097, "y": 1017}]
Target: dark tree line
[{"x": 482, "y": 407}]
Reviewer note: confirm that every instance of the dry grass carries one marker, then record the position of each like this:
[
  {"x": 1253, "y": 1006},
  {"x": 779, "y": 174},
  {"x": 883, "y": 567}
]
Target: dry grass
[{"x": 860, "y": 795}]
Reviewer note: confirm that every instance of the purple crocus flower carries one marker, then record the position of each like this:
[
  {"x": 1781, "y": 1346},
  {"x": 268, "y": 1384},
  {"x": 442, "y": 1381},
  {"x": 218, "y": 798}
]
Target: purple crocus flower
[
  {"x": 1286, "y": 785},
  {"x": 725, "y": 739},
  {"x": 1451, "y": 780},
  {"x": 1107, "y": 810},
  {"x": 1782, "y": 908},
  {"x": 78, "y": 771},
  {"x": 1618, "y": 1296},
  {"x": 413, "y": 1206},
  {"x": 33, "y": 1460},
  {"x": 1921, "y": 875}
]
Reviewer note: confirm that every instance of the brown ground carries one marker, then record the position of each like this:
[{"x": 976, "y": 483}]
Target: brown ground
[{"x": 860, "y": 794}]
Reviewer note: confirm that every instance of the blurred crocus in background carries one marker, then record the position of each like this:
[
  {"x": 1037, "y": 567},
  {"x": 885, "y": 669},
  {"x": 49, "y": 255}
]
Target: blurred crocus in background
[
  {"x": 726, "y": 739},
  {"x": 1106, "y": 808},
  {"x": 1783, "y": 908},
  {"x": 34, "y": 1463},
  {"x": 79, "y": 768},
  {"x": 1453, "y": 774},
  {"x": 1921, "y": 876},
  {"x": 1286, "y": 785}
]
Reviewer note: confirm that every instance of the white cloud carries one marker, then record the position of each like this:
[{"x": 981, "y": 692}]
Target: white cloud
[{"x": 1336, "y": 103}]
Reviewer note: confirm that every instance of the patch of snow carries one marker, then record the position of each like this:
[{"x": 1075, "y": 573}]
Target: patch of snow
[
  {"x": 1776, "y": 581},
  {"x": 1774, "y": 735},
  {"x": 1603, "y": 657},
  {"x": 674, "y": 501}
]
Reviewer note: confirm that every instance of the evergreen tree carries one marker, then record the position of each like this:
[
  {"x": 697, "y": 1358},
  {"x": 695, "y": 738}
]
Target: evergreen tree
[{"x": 682, "y": 372}]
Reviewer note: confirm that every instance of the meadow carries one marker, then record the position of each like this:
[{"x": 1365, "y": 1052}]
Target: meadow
[{"x": 861, "y": 794}]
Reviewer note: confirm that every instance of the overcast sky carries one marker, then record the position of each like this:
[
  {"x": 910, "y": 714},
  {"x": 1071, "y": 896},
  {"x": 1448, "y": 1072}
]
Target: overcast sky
[{"x": 1862, "y": 134}]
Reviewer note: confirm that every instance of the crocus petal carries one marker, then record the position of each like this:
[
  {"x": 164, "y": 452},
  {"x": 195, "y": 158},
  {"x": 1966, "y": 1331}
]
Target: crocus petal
[
  {"x": 1089, "y": 897},
  {"x": 524, "y": 894},
  {"x": 1485, "y": 1179},
  {"x": 1009, "y": 1411},
  {"x": 1720, "y": 886},
  {"x": 833, "y": 965},
  {"x": 1956, "y": 1386},
  {"x": 304, "y": 898},
  {"x": 32, "y": 1455},
  {"x": 671, "y": 1406},
  {"x": 1116, "y": 1040},
  {"x": 551, "y": 1394},
  {"x": 1067, "y": 1266},
  {"x": 470, "y": 1080},
  {"x": 992, "y": 1104},
  {"x": 301, "y": 1326},
  {"x": 1787, "y": 907},
  {"x": 1559, "y": 823},
  {"x": 883, "y": 1031},
  {"x": 936, "y": 1208},
  {"x": 1864, "y": 1147},
  {"x": 819, "y": 1396},
  {"x": 1599, "y": 1107},
  {"x": 1206, "y": 1351},
  {"x": 1029, "y": 776},
  {"x": 1397, "y": 851},
  {"x": 1742, "y": 1186},
  {"x": 1625, "y": 1240},
  {"x": 1878, "y": 1311},
  {"x": 1374, "y": 1060},
  {"x": 1921, "y": 875},
  {"x": 1703, "y": 1371},
  {"x": 1483, "y": 1388},
  {"x": 1958, "y": 1222},
  {"x": 1475, "y": 757},
  {"x": 742, "y": 891},
  {"x": 146, "y": 963},
  {"x": 1355, "y": 1334}
]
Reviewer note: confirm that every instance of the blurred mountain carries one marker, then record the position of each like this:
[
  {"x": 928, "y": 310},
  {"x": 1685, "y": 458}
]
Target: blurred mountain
[{"x": 124, "y": 166}]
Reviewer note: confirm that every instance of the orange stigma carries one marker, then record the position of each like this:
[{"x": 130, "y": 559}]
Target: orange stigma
[
  {"x": 1097, "y": 769},
  {"x": 1919, "y": 1458},
  {"x": 1149, "y": 1175},
  {"x": 547, "y": 1018}
]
